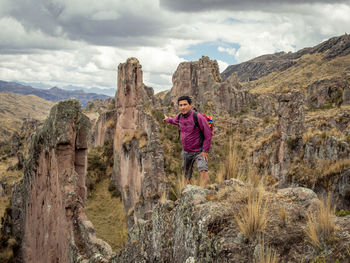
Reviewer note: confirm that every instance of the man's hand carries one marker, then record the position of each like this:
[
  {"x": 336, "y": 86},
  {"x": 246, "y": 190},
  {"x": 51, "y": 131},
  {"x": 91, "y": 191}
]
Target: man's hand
[
  {"x": 205, "y": 156},
  {"x": 165, "y": 117}
]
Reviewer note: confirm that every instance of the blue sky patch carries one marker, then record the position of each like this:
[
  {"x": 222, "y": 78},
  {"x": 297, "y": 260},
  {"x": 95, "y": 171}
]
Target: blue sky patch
[{"x": 211, "y": 49}]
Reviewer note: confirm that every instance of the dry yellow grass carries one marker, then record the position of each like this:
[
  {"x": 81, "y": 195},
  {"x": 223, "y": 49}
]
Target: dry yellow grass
[
  {"x": 4, "y": 164},
  {"x": 311, "y": 230},
  {"x": 270, "y": 256},
  {"x": 320, "y": 225},
  {"x": 325, "y": 114},
  {"x": 10, "y": 177},
  {"x": 220, "y": 175},
  {"x": 4, "y": 202},
  {"x": 140, "y": 135},
  {"x": 178, "y": 186},
  {"x": 283, "y": 215},
  {"x": 235, "y": 165},
  {"x": 15, "y": 107},
  {"x": 108, "y": 216},
  {"x": 6, "y": 255},
  {"x": 299, "y": 76},
  {"x": 163, "y": 197},
  {"x": 266, "y": 255},
  {"x": 252, "y": 219}
]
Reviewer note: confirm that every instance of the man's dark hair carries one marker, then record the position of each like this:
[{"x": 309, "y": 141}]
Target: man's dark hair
[{"x": 184, "y": 98}]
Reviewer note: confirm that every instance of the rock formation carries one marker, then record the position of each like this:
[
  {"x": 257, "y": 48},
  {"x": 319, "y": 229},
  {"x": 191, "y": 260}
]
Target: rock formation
[
  {"x": 138, "y": 155},
  {"x": 201, "y": 80},
  {"x": 103, "y": 119},
  {"x": 328, "y": 92},
  {"x": 277, "y": 152},
  {"x": 47, "y": 206},
  {"x": 290, "y": 127},
  {"x": 201, "y": 227},
  {"x": 318, "y": 161},
  {"x": 103, "y": 130}
]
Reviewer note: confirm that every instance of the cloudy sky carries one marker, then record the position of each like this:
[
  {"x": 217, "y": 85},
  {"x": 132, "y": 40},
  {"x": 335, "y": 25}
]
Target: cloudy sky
[{"x": 82, "y": 42}]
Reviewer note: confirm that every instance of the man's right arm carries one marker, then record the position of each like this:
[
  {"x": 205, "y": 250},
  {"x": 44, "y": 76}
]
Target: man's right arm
[{"x": 171, "y": 120}]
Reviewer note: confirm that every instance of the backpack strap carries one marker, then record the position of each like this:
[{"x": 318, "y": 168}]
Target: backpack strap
[
  {"x": 178, "y": 118},
  {"x": 201, "y": 133},
  {"x": 195, "y": 119}
]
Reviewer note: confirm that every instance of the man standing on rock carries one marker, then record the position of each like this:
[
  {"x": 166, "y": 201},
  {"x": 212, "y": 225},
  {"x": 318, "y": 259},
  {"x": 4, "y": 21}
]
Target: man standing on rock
[{"x": 195, "y": 139}]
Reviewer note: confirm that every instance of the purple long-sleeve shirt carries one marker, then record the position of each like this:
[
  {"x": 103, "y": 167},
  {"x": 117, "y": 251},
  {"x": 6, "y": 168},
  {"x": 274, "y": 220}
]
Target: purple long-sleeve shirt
[{"x": 190, "y": 136}]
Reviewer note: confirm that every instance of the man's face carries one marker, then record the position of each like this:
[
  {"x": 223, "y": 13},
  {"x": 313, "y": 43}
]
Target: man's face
[{"x": 184, "y": 107}]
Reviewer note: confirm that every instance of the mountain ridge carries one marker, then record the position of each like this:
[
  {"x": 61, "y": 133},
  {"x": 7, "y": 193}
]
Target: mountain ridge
[
  {"x": 261, "y": 66},
  {"x": 15, "y": 108},
  {"x": 52, "y": 94}
]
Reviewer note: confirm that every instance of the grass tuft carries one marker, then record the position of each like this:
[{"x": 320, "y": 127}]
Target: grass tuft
[
  {"x": 178, "y": 186},
  {"x": 320, "y": 225},
  {"x": 235, "y": 165},
  {"x": 283, "y": 215},
  {"x": 251, "y": 219},
  {"x": 266, "y": 255}
]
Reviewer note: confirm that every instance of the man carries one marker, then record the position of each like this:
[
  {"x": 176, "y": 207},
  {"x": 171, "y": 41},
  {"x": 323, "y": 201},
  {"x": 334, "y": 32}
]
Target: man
[{"x": 195, "y": 148}]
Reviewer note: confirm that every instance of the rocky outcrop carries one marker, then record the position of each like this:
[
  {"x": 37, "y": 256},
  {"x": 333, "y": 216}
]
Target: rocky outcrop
[
  {"x": 102, "y": 116},
  {"x": 138, "y": 156},
  {"x": 201, "y": 80},
  {"x": 276, "y": 153},
  {"x": 293, "y": 157},
  {"x": 201, "y": 227},
  {"x": 324, "y": 165},
  {"x": 15, "y": 143},
  {"x": 290, "y": 126},
  {"x": 329, "y": 92},
  {"x": 19, "y": 164},
  {"x": 103, "y": 129},
  {"x": 263, "y": 105},
  {"x": 194, "y": 78},
  {"x": 333, "y": 47},
  {"x": 47, "y": 206},
  {"x": 99, "y": 106}
]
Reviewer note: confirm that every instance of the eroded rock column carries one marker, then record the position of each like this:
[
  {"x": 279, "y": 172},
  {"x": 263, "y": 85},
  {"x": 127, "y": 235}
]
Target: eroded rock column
[
  {"x": 49, "y": 220},
  {"x": 290, "y": 129},
  {"x": 138, "y": 155}
]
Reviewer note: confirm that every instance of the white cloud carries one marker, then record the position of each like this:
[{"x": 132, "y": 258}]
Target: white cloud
[
  {"x": 81, "y": 42},
  {"x": 222, "y": 65},
  {"x": 230, "y": 51}
]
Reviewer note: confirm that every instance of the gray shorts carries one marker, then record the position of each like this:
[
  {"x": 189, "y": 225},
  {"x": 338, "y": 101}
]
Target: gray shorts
[{"x": 188, "y": 159}]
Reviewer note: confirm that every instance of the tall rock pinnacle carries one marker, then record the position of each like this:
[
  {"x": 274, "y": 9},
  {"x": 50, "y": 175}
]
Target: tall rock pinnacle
[
  {"x": 48, "y": 217},
  {"x": 138, "y": 155}
]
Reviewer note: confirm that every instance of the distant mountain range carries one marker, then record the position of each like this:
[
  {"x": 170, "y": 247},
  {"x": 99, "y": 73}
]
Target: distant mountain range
[
  {"x": 38, "y": 85},
  {"x": 52, "y": 94}
]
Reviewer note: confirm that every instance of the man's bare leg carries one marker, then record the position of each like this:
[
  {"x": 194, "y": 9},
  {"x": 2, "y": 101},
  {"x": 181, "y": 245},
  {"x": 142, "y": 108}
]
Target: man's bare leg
[
  {"x": 188, "y": 181},
  {"x": 204, "y": 178}
]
